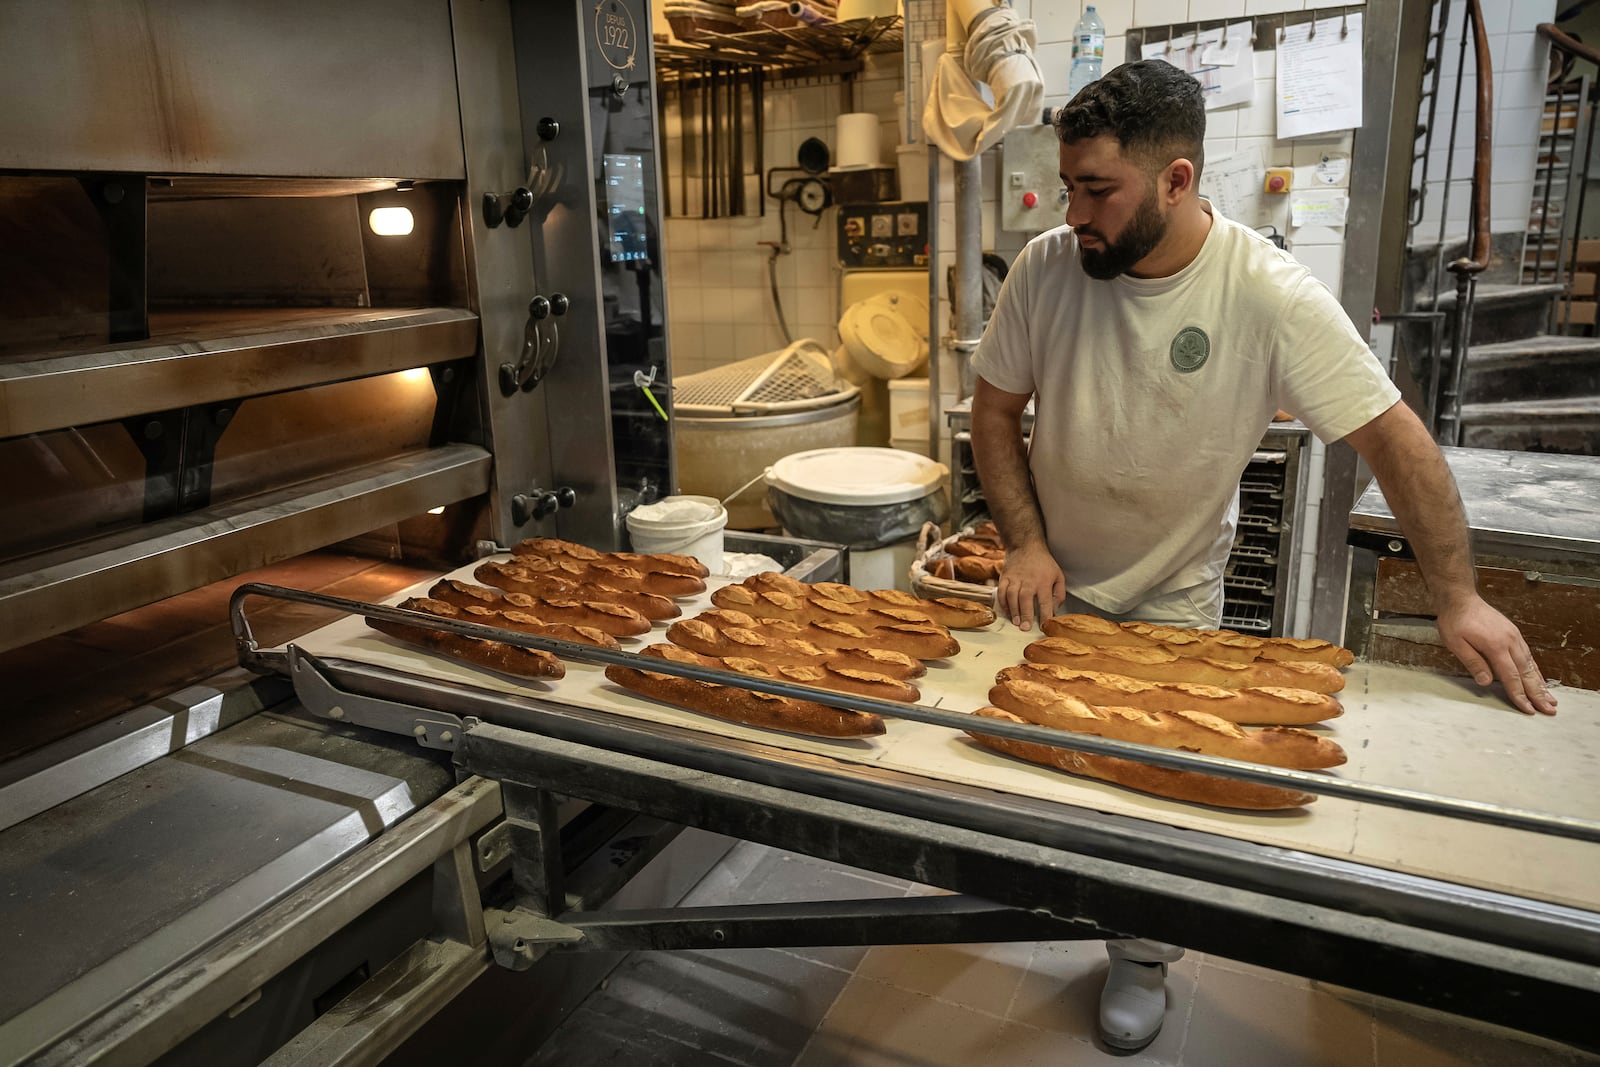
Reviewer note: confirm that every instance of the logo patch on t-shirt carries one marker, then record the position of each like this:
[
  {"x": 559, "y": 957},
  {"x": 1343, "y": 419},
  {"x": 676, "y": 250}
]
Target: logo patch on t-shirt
[{"x": 1190, "y": 350}]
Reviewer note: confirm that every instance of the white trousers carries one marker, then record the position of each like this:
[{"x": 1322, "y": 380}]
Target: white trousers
[{"x": 1196, "y": 608}]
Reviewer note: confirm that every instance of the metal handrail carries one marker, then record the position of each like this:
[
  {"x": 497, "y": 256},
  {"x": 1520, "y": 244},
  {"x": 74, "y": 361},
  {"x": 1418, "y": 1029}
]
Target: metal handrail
[
  {"x": 1570, "y": 48},
  {"x": 1467, "y": 268}
]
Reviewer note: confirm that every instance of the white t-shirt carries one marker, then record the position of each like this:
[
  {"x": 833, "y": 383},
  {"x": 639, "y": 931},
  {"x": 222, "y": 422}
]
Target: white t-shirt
[{"x": 1152, "y": 394}]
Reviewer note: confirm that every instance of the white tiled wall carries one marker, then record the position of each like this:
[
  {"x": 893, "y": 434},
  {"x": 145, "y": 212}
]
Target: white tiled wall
[
  {"x": 720, "y": 305},
  {"x": 1519, "y": 59}
]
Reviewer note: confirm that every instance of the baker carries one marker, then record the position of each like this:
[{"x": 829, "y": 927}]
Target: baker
[{"x": 1157, "y": 339}]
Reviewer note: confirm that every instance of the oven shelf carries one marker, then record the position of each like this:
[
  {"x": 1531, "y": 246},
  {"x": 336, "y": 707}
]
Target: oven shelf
[
  {"x": 55, "y": 591},
  {"x": 203, "y": 356}
]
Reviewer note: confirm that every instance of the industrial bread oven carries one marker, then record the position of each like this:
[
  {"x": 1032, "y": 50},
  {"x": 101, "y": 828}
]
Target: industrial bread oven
[{"x": 337, "y": 294}]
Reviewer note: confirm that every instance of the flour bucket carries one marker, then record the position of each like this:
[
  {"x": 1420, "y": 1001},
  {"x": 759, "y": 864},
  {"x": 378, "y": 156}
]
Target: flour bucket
[{"x": 687, "y": 525}]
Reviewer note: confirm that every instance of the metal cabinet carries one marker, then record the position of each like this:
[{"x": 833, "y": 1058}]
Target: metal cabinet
[{"x": 1263, "y": 570}]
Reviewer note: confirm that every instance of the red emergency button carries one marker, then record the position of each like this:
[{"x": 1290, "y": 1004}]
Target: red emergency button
[
  {"x": 1029, "y": 199},
  {"x": 1275, "y": 184}
]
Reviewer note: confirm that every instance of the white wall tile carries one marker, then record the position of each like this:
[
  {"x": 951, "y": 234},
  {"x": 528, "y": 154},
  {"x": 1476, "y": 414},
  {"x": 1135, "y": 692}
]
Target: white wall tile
[
  {"x": 1260, "y": 118},
  {"x": 1160, "y": 12},
  {"x": 1266, "y": 62},
  {"x": 1526, "y": 51},
  {"x": 1524, "y": 16},
  {"x": 1053, "y": 21},
  {"x": 1305, "y": 236},
  {"x": 1117, "y": 15},
  {"x": 1205, "y": 10},
  {"x": 1055, "y": 63},
  {"x": 1117, "y": 50},
  {"x": 1268, "y": 7},
  {"x": 1224, "y": 122}
]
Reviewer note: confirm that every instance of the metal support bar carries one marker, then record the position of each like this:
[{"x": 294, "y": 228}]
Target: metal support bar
[
  {"x": 536, "y": 867},
  {"x": 457, "y": 904},
  {"x": 940, "y": 920}
]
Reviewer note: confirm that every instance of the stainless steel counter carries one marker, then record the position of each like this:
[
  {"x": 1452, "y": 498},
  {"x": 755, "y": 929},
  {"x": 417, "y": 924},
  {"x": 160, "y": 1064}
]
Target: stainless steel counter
[{"x": 1515, "y": 502}]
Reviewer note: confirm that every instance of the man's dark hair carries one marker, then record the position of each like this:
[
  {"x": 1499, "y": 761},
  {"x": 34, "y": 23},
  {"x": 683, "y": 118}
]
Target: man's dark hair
[{"x": 1155, "y": 111}]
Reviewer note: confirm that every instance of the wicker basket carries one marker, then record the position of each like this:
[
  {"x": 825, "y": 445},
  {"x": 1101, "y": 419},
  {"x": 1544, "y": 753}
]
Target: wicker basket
[
  {"x": 932, "y": 546},
  {"x": 692, "y": 28}
]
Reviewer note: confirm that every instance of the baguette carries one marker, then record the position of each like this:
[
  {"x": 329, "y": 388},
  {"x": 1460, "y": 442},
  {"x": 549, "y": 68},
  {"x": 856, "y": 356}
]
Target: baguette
[
  {"x": 667, "y": 562},
  {"x": 840, "y": 680},
  {"x": 520, "y": 576},
  {"x": 917, "y": 641},
  {"x": 612, "y": 619},
  {"x": 706, "y": 639},
  {"x": 1159, "y": 665},
  {"x": 1179, "y": 785},
  {"x": 502, "y": 658},
  {"x": 1190, "y": 731},
  {"x": 775, "y": 604},
  {"x": 949, "y": 612},
  {"x": 1223, "y": 645},
  {"x": 1261, "y": 705},
  {"x": 743, "y": 706},
  {"x": 512, "y": 619},
  {"x": 555, "y": 586}
]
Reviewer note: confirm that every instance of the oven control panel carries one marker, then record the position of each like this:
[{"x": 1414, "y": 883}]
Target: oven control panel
[{"x": 884, "y": 235}]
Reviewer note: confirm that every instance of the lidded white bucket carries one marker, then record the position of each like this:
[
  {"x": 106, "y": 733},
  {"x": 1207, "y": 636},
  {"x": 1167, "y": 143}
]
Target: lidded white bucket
[{"x": 687, "y": 525}]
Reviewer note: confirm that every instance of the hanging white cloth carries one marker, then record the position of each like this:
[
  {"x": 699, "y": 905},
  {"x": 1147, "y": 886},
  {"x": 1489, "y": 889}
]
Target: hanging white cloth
[{"x": 958, "y": 118}]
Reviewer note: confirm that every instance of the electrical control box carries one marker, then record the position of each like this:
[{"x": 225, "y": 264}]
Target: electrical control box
[
  {"x": 883, "y": 235},
  {"x": 1032, "y": 198}
]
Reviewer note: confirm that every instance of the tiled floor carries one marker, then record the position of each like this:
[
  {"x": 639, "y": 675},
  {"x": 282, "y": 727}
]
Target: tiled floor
[{"x": 1005, "y": 1005}]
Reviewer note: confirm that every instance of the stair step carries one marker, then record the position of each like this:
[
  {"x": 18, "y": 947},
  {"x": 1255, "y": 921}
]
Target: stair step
[
  {"x": 1532, "y": 349},
  {"x": 1496, "y": 294},
  {"x": 1571, "y": 407},
  {"x": 1570, "y": 425}
]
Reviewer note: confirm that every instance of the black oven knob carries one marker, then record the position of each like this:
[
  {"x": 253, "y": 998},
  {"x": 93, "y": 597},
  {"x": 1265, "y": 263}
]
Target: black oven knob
[
  {"x": 566, "y": 496},
  {"x": 559, "y": 303},
  {"x": 539, "y": 307},
  {"x": 548, "y": 129}
]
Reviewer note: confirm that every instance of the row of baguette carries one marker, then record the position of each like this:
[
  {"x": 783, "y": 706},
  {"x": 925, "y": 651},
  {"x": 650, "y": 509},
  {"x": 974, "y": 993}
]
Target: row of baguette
[{"x": 1173, "y": 688}]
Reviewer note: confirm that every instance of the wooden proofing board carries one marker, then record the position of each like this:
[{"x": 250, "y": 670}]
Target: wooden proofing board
[{"x": 1401, "y": 727}]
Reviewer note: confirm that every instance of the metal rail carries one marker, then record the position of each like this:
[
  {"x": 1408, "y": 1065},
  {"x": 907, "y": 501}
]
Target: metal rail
[{"x": 1566, "y": 826}]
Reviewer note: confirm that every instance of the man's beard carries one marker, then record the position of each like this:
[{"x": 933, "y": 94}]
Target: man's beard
[{"x": 1139, "y": 238}]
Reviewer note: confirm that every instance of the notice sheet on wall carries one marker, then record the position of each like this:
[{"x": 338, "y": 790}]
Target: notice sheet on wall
[
  {"x": 1319, "y": 77},
  {"x": 1219, "y": 58}
]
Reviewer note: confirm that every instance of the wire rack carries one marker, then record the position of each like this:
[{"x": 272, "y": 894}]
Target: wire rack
[
  {"x": 796, "y": 378},
  {"x": 776, "y": 47}
]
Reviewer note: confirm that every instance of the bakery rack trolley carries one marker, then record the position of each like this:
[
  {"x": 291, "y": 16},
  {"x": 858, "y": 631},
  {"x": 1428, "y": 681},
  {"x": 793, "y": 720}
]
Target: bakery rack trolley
[{"x": 1020, "y": 868}]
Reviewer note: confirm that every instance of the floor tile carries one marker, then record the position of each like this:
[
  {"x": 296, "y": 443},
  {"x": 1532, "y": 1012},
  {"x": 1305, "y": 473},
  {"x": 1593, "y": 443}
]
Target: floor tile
[
  {"x": 1061, "y": 993},
  {"x": 1017, "y": 1045},
  {"x": 874, "y": 1024},
  {"x": 1252, "y": 1020},
  {"x": 1415, "y": 1037},
  {"x": 591, "y": 1037},
  {"x": 751, "y": 1006},
  {"x": 979, "y": 977}
]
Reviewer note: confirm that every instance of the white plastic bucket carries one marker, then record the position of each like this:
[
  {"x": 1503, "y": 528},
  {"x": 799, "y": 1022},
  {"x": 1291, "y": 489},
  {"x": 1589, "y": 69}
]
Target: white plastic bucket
[{"x": 687, "y": 525}]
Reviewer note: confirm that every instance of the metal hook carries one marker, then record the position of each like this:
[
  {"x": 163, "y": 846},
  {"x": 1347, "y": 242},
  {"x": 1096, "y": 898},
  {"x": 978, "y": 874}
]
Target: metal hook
[
  {"x": 1168, "y": 52},
  {"x": 1252, "y": 33},
  {"x": 1312, "y": 36},
  {"x": 1224, "y": 35},
  {"x": 1344, "y": 23}
]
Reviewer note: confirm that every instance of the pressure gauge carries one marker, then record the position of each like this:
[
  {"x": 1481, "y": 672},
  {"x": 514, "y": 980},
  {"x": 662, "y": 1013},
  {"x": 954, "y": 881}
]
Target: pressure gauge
[{"x": 812, "y": 196}]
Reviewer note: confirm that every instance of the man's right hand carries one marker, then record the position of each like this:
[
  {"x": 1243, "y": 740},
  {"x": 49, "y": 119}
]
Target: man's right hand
[{"x": 1031, "y": 577}]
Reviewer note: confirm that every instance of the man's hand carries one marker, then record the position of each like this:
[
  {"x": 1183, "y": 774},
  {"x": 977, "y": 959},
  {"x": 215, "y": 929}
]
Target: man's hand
[
  {"x": 1031, "y": 575},
  {"x": 1488, "y": 644}
]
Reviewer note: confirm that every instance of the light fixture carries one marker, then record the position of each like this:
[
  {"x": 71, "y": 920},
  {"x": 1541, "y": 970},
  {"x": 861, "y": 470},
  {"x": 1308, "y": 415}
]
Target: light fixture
[
  {"x": 390, "y": 221},
  {"x": 436, "y": 511}
]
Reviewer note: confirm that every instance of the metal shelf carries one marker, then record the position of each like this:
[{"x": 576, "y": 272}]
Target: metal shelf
[
  {"x": 55, "y": 591},
  {"x": 202, "y": 356}
]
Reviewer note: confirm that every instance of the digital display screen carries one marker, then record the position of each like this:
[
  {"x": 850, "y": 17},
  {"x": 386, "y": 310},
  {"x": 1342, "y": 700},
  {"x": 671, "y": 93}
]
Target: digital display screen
[{"x": 624, "y": 200}]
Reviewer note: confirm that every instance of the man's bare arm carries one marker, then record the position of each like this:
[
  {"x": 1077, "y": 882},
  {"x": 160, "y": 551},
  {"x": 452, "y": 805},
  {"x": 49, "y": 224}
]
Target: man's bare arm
[
  {"x": 1031, "y": 575},
  {"x": 1418, "y": 486}
]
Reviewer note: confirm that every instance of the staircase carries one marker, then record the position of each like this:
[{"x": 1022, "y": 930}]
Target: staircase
[{"x": 1524, "y": 389}]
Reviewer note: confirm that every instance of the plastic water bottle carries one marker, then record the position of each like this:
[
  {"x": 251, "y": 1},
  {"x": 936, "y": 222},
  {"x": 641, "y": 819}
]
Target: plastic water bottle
[{"x": 1088, "y": 51}]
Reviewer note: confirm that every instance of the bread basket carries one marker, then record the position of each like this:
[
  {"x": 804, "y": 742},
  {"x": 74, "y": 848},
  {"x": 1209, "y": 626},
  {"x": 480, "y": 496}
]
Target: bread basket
[{"x": 931, "y": 546}]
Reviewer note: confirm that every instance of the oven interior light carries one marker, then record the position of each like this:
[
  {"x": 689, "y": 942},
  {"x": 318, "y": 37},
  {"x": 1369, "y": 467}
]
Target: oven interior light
[
  {"x": 436, "y": 511},
  {"x": 390, "y": 221}
]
